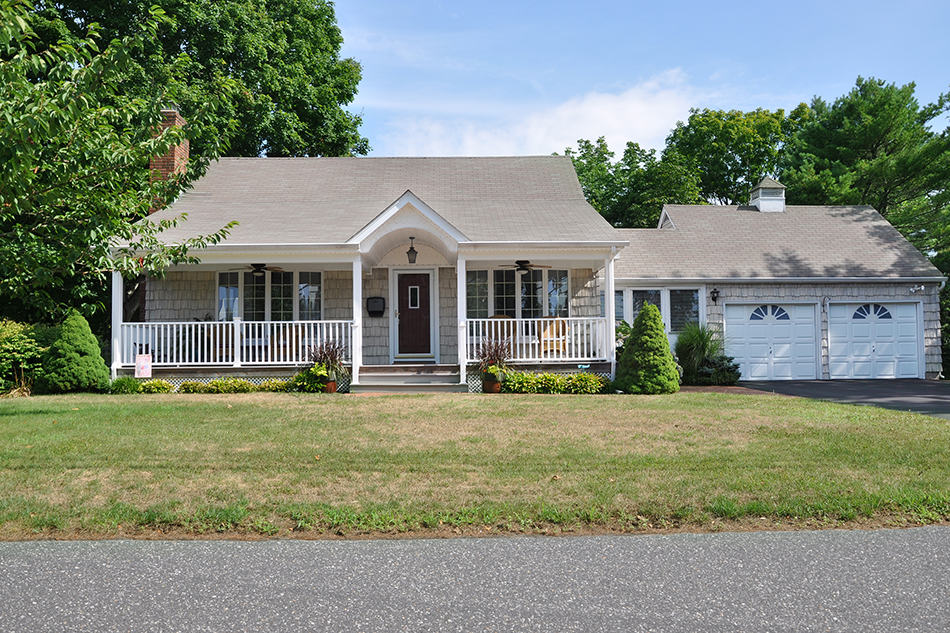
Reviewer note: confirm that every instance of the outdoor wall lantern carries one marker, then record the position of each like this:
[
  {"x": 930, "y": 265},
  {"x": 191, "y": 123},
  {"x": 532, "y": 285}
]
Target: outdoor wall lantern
[
  {"x": 714, "y": 295},
  {"x": 412, "y": 252}
]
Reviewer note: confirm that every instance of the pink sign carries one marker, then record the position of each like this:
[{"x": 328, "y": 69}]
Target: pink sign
[{"x": 143, "y": 365}]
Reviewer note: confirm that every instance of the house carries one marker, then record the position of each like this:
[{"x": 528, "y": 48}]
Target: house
[
  {"x": 799, "y": 292},
  {"x": 412, "y": 263},
  {"x": 379, "y": 254}
]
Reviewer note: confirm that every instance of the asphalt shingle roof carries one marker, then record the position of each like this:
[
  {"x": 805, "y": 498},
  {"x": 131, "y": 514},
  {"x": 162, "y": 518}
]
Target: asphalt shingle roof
[
  {"x": 721, "y": 242},
  {"x": 327, "y": 200}
]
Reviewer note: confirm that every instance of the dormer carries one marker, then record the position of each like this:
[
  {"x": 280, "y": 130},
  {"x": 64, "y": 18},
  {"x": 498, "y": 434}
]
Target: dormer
[{"x": 768, "y": 196}]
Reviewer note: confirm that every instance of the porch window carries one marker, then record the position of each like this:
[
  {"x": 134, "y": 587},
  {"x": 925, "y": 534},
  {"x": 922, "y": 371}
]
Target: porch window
[
  {"x": 309, "y": 291},
  {"x": 505, "y": 293},
  {"x": 684, "y": 308},
  {"x": 476, "y": 293},
  {"x": 255, "y": 304},
  {"x": 618, "y": 305},
  {"x": 281, "y": 296},
  {"x": 557, "y": 293},
  {"x": 532, "y": 306},
  {"x": 639, "y": 297},
  {"x": 227, "y": 296}
]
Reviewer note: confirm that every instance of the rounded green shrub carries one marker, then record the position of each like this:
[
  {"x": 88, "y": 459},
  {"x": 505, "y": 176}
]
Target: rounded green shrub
[
  {"x": 230, "y": 385},
  {"x": 125, "y": 384},
  {"x": 157, "y": 385},
  {"x": 275, "y": 385},
  {"x": 646, "y": 365},
  {"x": 192, "y": 386},
  {"x": 74, "y": 362},
  {"x": 20, "y": 355}
]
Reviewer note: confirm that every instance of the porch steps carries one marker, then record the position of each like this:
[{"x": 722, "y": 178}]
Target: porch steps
[{"x": 409, "y": 378}]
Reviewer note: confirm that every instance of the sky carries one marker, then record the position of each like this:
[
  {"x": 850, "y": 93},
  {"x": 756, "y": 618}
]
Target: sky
[{"x": 519, "y": 78}]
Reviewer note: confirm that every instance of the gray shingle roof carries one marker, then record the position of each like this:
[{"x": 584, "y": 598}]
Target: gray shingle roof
[
  {"x": 720, "y": 242},
  {"x": 769, "y": 183},
  {"x": 327, "y": 200}
]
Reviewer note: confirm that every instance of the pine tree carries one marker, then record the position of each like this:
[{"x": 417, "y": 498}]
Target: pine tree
[
  {"x": 74, "y": 362},
  {"x": 646, "y": 364}
]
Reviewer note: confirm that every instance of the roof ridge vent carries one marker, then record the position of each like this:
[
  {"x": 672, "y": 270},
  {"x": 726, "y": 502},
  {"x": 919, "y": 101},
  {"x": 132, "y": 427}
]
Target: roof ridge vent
[{"x": 768, "y": 196}]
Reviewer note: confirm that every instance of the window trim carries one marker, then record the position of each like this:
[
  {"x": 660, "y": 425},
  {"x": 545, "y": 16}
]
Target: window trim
[
  {"x": 267, "y": 292},
  {"x": 545, "y": 303},
  {"x": 664, "y": 302}
]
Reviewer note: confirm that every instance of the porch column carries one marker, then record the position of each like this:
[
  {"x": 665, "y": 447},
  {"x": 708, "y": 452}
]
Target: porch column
[
  {"x": 461, "y": 311},
  {"x": 357, "y": 319},
  {"x": 610, "y": 307},
  {"x": 118, "y": 291}
]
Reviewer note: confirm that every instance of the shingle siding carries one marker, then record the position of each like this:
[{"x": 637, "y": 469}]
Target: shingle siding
[
  {"x": 181, "y": 296},
  {"x": 376, "y": 329},
  {"x": 585, "y": 295},
  {"x": 857, "y": 293}
]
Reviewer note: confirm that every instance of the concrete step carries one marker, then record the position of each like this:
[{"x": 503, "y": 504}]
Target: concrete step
[
  {"x": 413, "y": 379},
  {"x": 409, "y": 388},
  {"x": 409, "y": 368}
]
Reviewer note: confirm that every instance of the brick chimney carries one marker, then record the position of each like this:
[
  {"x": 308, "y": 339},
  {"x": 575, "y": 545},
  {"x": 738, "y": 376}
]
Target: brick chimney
[{"x": 176, "y": 158}]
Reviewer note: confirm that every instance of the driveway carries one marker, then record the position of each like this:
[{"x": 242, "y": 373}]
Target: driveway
[
  {"x": 923, "y": 396},
  {"x": 836, "y": 580}
]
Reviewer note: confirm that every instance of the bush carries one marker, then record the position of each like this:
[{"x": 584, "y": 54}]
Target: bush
[
  {"x": 157, "y": 385},
  {"x": 275, "y": 385},
  {"x": 312, "y": 380},
  {"x": 73, "y": 362},
  {"x": 529, "y": 382},
  {"x": 125, "y": 384},
  {"x": 230, "y": 385},
  {"x": 719, "y": 370},
  {"x": 20, "y": 356},
  {"x": 646, "y": 365},
  {"x": 585, "y": 383},
  {"x": 696, "y": 344},
  {"x": 192, "y": 386}
]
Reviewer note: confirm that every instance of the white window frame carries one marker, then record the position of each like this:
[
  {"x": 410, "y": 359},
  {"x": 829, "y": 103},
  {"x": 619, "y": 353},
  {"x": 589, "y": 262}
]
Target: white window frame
[
  {"x": 267, "y": 290},
  {"x": 664, "y": 303},
  {"x": 545, "y": 308}
]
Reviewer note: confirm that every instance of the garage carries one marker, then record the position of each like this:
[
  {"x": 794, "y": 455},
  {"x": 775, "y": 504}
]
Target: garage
[
  {"x": 874, "y": 340},
  {"x": 773, "y": 341}
]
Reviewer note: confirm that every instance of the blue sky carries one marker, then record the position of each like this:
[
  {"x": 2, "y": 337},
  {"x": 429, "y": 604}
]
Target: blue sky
[{"x": 501, "y": 78}]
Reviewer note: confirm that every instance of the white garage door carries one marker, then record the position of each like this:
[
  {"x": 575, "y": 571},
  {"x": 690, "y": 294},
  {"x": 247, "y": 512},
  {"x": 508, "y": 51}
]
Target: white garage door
[
  {"x": 873, "y": 340},
  {"x": 773, "y": 341}
]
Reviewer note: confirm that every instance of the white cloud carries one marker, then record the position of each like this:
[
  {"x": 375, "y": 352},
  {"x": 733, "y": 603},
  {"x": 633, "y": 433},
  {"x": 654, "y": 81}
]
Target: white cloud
[{"x": 644, "y": 113}]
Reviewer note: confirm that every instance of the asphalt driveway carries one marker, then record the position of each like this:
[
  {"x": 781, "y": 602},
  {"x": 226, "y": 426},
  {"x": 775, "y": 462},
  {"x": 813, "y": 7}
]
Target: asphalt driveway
[{"x": 931, "y": 397}]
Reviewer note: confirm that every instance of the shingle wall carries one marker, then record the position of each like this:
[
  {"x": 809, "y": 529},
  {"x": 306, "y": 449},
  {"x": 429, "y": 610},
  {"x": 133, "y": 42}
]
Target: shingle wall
[
  {"x": 585, "y": 300},
  {"x": 181, "y": 296},
  {"x": 376, "y": 329},
  {"x": 448, "y": 316},
  {"x": 337, "y": 294},
  {"x": 858, "y": 293}
]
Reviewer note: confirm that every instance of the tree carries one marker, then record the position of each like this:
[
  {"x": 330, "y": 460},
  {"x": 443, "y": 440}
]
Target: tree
[
  {"x": 631, "y": 192},
  {"x": 875, "y": 146},
  {"x": 731, "y": 150},
  {"x": 646, "y": 364},
  {"x": 73, "y": 362},
  {"x": 74, "y": 180},
  {"x": 284, "y": 56}
]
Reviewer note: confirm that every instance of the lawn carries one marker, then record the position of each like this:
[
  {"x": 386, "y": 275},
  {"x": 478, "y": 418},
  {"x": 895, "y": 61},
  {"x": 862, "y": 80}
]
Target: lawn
[{"x": 311, "y": 465}]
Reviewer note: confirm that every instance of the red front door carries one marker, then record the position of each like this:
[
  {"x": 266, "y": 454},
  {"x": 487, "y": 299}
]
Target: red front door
[{"x": 414, "y": 319}]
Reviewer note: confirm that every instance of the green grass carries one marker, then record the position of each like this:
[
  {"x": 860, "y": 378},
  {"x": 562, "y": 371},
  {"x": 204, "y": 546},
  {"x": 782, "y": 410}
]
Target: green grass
[{"x": 300, "y": 464}]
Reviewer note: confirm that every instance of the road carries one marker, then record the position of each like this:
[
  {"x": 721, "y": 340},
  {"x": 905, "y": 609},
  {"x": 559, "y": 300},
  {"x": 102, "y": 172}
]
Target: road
[{"x": 884, "y": 580}]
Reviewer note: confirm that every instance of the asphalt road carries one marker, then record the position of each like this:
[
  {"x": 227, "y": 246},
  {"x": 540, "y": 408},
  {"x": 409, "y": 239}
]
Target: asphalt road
[{"x": 886, "y": 580}]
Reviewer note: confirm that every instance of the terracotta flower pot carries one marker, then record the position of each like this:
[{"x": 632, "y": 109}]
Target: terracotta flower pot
[
  {"x": 490, "y": 385},
  {"x": 331, "y": 387}
]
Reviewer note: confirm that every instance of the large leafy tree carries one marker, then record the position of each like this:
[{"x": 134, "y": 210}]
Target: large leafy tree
[
  {"x": 631, "y": 191},
  {"x": 75, "y": 190},
  {"x": 876, "y": 145},
  {"x": 730, "y": 149},
  {"x": 284, "y": 55}
]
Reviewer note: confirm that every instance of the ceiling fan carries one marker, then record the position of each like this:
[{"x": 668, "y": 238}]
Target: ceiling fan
[
  {"x": 523, "y": 266},
  {"x": 258, "y": 269}
]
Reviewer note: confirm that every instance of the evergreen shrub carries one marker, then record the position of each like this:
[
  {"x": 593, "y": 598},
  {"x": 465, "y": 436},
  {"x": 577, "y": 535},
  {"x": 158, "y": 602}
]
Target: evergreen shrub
[
  {"x": 74, "y": 362},
  {"x": 646, "y": 365}
]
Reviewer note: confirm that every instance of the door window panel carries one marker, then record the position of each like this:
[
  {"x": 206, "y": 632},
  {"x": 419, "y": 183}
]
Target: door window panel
[
  {"x": 309, "y": 292},
  {"x": 227, "y": 296},
  {"x": 640, "y": 297},
  {"x": 531, "y": 289},
  {"x": 281, "y": 296},
  {"x": 557, "y": 293},
  {"x": 684, "y": 308},
  {"x": 254, "y": 299},
  {"x": 476, "y": 294},
  {"x": 504, "y": 291}
]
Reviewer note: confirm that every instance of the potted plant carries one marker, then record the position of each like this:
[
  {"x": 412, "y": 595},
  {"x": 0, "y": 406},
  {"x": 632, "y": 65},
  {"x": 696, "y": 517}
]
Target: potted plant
[
  {"x": 492, "y": 362},
  {"x": 330, "y": 354}
]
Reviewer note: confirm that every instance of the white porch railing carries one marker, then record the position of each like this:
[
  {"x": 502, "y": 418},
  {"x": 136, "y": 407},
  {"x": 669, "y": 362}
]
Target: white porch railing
[
  {"x": 230, "y": 342},
  {"x": 542, "y": 340}
]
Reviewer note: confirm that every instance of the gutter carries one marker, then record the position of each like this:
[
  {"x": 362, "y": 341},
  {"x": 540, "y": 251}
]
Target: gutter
[{"x": 759, "y": 280}]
